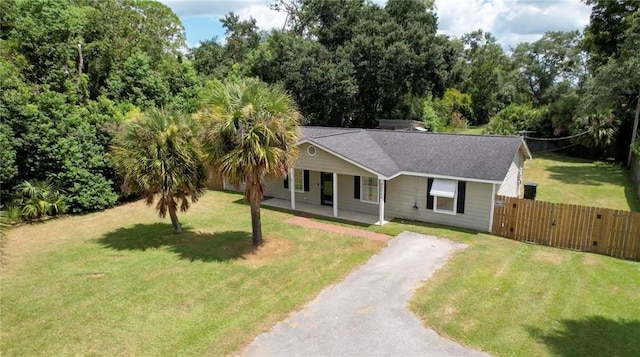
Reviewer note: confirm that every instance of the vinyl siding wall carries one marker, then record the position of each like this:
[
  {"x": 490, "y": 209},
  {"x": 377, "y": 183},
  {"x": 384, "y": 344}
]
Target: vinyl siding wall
[
  {"x": 511, "y": 183},
  {"x": 327, "y": 162},
  {"x": 346, "y": 194},
  {"x": 275, "y": 188},
  {"x": 405, "y": 191}
]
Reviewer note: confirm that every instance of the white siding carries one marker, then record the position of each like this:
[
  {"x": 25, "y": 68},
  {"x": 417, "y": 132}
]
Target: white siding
[
  {"x": 511, "y": 184},
  {"x": 346, "y": 194},
  {"x": 275, "y": 188},
  {"x": 403, "y": 192}
]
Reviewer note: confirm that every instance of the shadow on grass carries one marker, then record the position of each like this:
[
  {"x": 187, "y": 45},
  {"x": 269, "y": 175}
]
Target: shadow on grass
[
  {"x": 588, "y": 175},
  {"x": 189, "y": 245},
  {"x": 593, "y": 336},
  {"x": 596, "y": 176}
]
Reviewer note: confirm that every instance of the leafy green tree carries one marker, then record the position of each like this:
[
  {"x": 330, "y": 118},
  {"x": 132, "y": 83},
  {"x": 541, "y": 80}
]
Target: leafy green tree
[
  {"x": 547, "y": 64},
  {"x": 159, "y": 156},
  {"x": 120, "y": 28},
  {"x": 615, "y": 85},
  {"x": 321, "y": 82},
  {"x": 8, "y": 168},
  {"x": 209, "y": 59},
  {"x": 137, "y": 82},
  {"x": 242, "y": 36},
  {"x": 430, "y": 117},
  {"x": 454, "y": 104},
  {"x": 608, "y": 28},
  {"x": 515, "y": 118},
  {"x": 250, "y": 133},
  {"x": 486, "y": 74}
]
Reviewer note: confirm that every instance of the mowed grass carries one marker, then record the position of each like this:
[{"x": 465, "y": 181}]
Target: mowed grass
[
  {"x": 120, "y": 282},
  {"x": 474, "y": 130},
  {"x": 565, "y": 179},
  {"x": 517, "y": 299}
]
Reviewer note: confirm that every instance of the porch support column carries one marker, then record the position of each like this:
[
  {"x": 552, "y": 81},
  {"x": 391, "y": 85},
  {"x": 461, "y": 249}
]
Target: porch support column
[
  {"x": 335, "y": 194},
  {"x": 381, "y": 200},
  {"x": 292, "y": 187}
]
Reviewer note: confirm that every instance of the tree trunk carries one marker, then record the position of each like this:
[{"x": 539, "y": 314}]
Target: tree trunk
[
  {"x": 256, "y": 223},
  {"x": 174, "y": 220},
  {"x": 80, "y": 65},
  {"x": 634, "y": 133}
]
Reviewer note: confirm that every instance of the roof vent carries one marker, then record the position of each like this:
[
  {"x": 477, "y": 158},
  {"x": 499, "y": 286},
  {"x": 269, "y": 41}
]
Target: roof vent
[{"x": 311, "y": 150}]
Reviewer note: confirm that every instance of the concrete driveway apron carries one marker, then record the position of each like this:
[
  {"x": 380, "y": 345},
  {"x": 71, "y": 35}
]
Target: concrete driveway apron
[{"x": 367, "y": 313}]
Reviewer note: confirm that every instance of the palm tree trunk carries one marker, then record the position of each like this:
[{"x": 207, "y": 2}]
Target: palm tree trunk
[
  {"x": 174, "y": 219},
  {"x": 256, "y": 223}
]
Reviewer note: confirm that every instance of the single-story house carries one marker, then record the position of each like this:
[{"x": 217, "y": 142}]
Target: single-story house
[{"x": 450, "y": 179}]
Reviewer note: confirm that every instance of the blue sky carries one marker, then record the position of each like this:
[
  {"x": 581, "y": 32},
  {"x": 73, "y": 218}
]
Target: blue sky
[
  {"x": 202, "y": 28},
  {"x": 510, "y": 21}
]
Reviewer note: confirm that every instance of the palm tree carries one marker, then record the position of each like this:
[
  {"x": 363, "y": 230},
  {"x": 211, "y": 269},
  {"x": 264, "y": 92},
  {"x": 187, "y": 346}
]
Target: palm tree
[
  {"x": 158, "y": 154},
  {"x": 38, "y": 199},
  {"x": 250, "y": 132}
]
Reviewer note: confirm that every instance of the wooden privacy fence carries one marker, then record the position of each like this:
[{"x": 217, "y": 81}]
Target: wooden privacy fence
[{"x": 590, "y": 229}]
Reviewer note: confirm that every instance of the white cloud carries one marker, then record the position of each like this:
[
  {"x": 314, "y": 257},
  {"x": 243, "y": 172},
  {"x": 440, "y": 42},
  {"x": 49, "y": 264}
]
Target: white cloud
[
  {"x": 266, "y": 18},
  {"x": 511, "y": 21}
]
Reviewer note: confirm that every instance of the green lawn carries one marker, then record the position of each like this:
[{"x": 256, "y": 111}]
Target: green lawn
[
  {"x": 120, "y": 282},
  {"x": 565, "y": 179},
  {"x": 516, "y": 299},
  {"x": 475, "y": 130}
]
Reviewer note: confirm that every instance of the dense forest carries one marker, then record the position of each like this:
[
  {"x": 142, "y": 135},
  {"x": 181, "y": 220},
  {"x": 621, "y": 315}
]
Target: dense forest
[{"x": 73, "y": 71}]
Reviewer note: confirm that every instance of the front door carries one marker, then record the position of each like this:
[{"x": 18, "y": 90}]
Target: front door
[{"x": 326, "y": 188}]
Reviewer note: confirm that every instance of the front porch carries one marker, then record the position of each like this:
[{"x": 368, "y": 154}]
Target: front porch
[{"x": 326, "y": 211}]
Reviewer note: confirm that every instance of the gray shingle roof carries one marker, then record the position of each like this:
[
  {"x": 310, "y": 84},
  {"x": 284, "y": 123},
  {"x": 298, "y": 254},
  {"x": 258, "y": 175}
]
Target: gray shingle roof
[{"x": 482, "y": 157}]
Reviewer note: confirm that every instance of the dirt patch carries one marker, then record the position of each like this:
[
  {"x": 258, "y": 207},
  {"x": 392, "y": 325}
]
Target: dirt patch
[
  {"x": 550, "y": 256},
  {"x": 592, "y": 259},
  {"x": 448, "y": 313},
  {"x": 94, "y": 275},
  {"x": 274, "y": 247}
]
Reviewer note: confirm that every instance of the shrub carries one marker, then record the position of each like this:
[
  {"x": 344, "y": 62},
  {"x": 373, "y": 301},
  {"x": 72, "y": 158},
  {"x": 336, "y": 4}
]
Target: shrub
[
  {"x": 429, "y": 116},
  {"x": 515, "y": 118},
  {"x": 38, "y": 199}
]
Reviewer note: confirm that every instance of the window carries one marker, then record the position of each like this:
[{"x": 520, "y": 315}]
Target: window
[
  {"x": 301, "y": 183},
  {"x": 369, "y": 189},
  {"x": 444, "y": 194},
  {"x": 299, "y": 178}
]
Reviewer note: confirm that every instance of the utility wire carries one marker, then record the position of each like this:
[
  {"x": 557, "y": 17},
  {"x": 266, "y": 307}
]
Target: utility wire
[{"x": 556, "y": 139}]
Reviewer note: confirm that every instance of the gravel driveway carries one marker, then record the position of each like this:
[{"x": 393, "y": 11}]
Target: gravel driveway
[{"x": 366, "y": 314}]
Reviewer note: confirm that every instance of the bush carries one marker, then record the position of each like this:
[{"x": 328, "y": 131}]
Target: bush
[
  {"x": 458, "y": 123},
  {"x": 600, "y": 132},
  {"x": 429, "y": 116},
  {"x": 515, "y": 118},
  {"x": 87, "y": 191},
  {"x": 38, "y": 199}
]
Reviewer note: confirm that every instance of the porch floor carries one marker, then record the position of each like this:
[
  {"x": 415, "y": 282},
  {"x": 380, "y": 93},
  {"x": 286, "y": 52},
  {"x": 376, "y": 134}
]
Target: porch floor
[{"x": 326, "y": 211}]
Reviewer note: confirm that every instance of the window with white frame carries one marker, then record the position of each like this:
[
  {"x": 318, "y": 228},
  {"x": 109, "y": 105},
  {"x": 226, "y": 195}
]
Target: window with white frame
[
  {"x": 369, "y": 189},
  {"x": 299, "y": 180},
  {"x": 444, "y": 194}
]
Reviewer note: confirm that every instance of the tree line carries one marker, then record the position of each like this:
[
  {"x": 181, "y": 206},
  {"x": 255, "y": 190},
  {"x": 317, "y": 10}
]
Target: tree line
[{"x": 75, "y": 73}]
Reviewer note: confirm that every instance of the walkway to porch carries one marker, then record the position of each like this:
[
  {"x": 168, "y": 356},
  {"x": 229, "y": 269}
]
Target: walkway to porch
[{"x": 326, "y": 211}]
